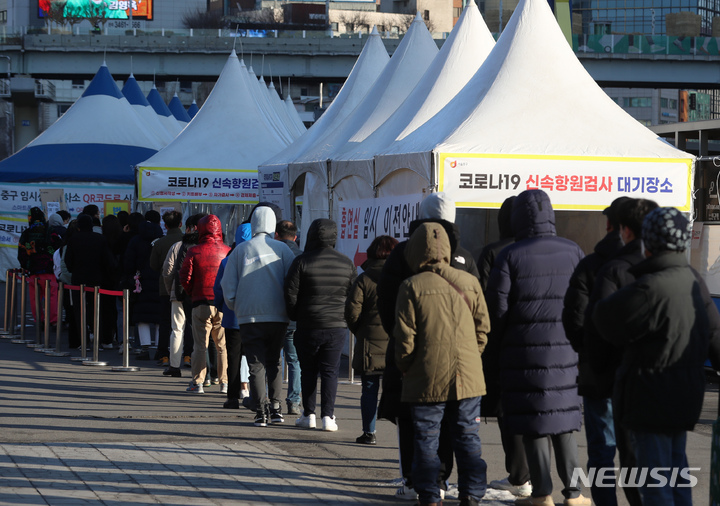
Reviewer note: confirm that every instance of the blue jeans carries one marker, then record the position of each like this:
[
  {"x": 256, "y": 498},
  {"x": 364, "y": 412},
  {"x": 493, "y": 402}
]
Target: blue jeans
[
  {"x": 464, "y": 421},
  {"x": 293, "y": 365},
  {"x": 369, "y": 400},
  {"x": 663, "y": 450},
  {"x": 600, "y": 432}
]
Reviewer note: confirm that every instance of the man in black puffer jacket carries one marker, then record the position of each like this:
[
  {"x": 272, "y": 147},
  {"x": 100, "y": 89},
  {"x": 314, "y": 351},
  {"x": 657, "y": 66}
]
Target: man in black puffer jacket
[
  {"x": 316, "y": 287},
  {"x": 604, "y": 431},
  {"x": 599, "y": 426},
  {"x": 437, "y": 208},
  {"x": 667, "y": 326},
  {"x": 538, "y": 367}
]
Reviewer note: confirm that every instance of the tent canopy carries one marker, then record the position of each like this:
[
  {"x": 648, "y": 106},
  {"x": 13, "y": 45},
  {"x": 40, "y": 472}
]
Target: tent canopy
[{"x": 100, "y": 138}]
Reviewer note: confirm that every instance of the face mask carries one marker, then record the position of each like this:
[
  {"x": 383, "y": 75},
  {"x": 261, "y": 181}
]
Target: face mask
[
  {"x": 621, "y": 235},
  {"x": 642, "y": 248}
]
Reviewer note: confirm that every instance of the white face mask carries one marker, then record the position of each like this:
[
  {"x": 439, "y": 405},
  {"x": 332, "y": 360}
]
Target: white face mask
[
  {"x": 642, "y": 248},
  {"x": 622, "y": 241}
]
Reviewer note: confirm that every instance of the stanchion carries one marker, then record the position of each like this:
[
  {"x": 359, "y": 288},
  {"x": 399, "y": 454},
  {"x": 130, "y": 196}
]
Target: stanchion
[
  {"x": 83, "y": 328},
  {"x": 36, "y": 318},
  {"x": 57, "y": 352},
  {"x": 6, "y": 315},
  {"x": 46, "y": 342},
  {"x": 351, "y": 372},
  {"x": 126, "y": 367},
  {"x": 23, "y": 312},
  {"x": 10, "y": 312},
  {"x": 96, "y": 330}
]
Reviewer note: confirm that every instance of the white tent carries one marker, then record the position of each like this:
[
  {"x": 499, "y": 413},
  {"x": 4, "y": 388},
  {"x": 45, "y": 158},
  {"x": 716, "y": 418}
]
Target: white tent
[
  {"x": 215, "y": 158},
  {"x": 260, "y": 94},
  {"x": 533, "y": 117},
  {"x": 407, "y": 65},
  {"x": 461, "y": 56},
  {"x": 274, "y": 171},
  {"x": 147, "y": 114},
  {"x": 282, "y": 111},
  {"x": 293, "y": 114}
]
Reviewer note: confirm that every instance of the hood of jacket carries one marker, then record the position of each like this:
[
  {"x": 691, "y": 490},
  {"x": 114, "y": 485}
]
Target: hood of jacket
[
  {"x": 428, "y": 247},
  {"x": 452, "y": 230},
  {"x": 438, "y": 206},
  {"x": 274, "y": 207},
  {"x": 36, "y": 215},
  {"x": 532, "y": 215},
  {"x": 263, "y": 221},
  {"x": 243, "y": 233},
  {"x": 210, "y": 229},
  {"x": 373, "y": 268},
  {"x": 149, "y": 231},
  {"x": 505, "y": 218},
  {"x": 322, "y": 234},
  {"x": 56, "y": 221}
]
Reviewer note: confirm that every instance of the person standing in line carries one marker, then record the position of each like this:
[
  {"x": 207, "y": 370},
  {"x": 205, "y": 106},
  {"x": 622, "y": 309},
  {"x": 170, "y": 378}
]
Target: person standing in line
[
  {"x": 371, "y": 340},
  {"x": 90, "y": 261},
  {"x": 440, "y": 333},
  {"x": 181, "y": 339},
  {"x": 286, "y": 231},
  {"x": 316, "y": 288},
  {"x": 36, "y": 247},
  {"x": 237, "y": 364},
  {"x": 666, "y": 326},
  {"x": 197, "y": 276},
  {"x": 143, "y": 282},
  {"x": 252, "y": 286},
  {"x": 160, "y": 248},
  {"x": 437, "y": 207},
  {"x": 517, "y": 481},
  {"x": 538, "y": 367},
  {"x": 598, "y": 359}
]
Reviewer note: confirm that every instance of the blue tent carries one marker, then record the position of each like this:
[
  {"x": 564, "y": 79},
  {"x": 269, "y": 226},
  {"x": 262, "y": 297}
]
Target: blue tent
[
  {"x": 99, "y": 139},
  {"x": 193, "y": 109},
  {"x": 177, "y": 109}
]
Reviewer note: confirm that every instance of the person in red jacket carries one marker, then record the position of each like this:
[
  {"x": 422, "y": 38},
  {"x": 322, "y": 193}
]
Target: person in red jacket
[{"x": 197, "y": 276}]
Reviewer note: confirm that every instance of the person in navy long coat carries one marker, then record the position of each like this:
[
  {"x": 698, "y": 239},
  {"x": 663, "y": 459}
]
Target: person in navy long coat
[{"x": 538, "y": 367}]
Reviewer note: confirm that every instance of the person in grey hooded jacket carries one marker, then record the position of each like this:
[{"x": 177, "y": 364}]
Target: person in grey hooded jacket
[{"x": 252, "y": 286}]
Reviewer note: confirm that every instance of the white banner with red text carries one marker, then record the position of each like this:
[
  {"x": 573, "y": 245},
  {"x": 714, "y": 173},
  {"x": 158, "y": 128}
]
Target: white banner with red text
[
  {"x": 361, "y": 221},
  {"x": 572, "y": 182}
]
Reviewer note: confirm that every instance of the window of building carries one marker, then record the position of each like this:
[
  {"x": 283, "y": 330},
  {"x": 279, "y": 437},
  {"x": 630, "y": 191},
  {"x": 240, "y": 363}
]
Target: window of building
[
  {"x": 62, "y": 109},
  {"x": 334, "y": 27},
  {"x": 672, "y": 103},
  {"x": 3, "y": 16},
  {"x": 664, "y": 103},
  {"x": 304, "y": 92},
  {"x": 426, "y": 15},
  {"x": 186, "y": 86},
  {"x": 457, "y": 11},
  {"x": 78, "y": 84},
  {"x": 637, "y": 102}
]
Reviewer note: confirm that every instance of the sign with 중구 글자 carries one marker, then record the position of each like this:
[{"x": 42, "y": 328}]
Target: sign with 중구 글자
[{"x": 572, "y": 182}]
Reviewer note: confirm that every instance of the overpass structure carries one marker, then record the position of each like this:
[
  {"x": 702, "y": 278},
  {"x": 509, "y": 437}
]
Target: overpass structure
[{"x": 201, "y": 58}]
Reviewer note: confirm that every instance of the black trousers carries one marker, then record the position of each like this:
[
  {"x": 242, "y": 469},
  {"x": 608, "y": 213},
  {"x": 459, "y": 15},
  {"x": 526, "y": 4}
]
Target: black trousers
[{"x": 233, "y": 342}]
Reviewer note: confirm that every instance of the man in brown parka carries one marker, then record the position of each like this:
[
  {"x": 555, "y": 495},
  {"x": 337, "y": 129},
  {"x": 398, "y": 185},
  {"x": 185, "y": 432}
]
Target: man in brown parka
[{"x": 440, "y": 331}]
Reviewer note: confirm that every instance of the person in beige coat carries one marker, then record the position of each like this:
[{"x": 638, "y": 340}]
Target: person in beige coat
[{"x": 440, "y": 332}]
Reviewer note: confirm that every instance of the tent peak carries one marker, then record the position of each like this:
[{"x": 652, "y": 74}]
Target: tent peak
[
  {"x": 374, "y": 30},
  {"x": 418, "y": 17},
  {"x": 233, "y": 54}
]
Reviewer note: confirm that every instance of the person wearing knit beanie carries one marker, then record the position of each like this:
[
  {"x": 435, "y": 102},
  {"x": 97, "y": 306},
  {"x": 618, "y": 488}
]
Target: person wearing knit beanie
[{"x": 666, "y": 228}]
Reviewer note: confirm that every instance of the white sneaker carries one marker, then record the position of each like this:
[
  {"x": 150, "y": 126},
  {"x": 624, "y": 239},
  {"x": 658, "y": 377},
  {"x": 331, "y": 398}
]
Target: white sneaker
[
  {"x": 406, "y": 493},
  {"x": 306, "y": 422},
  {"x": 523, "y": 490},
  {"x": 329, "y": 424}
]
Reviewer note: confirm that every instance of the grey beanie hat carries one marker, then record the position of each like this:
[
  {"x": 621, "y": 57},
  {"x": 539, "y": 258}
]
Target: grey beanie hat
[
  {"x": 665, "y": 228},
  {"x": 439, "y": 206}
]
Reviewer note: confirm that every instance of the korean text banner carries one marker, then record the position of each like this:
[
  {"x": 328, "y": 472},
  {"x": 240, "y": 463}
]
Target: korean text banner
[
  {"x": 17, "y": 199},
  {"x": 572, "y": 182},
  {"x": 360, "y": 221},
  {"x": 161, "y": 184}
]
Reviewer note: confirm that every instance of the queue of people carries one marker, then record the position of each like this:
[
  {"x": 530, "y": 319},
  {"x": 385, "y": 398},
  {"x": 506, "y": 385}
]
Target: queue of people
[{"x": 542, "y": 336}]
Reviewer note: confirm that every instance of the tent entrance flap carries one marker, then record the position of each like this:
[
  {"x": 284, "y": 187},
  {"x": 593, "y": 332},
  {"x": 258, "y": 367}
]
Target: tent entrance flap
[{"x": 582, "y": 183}]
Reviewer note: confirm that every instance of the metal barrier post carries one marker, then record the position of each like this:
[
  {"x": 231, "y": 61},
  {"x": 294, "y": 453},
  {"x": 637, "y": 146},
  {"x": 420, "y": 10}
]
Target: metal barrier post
[
  {"x": 96, "y": 330},
  {"x": 37, "y": 318},
  {"x": 6, "y": 316},
  {"x": 126, "y": 367},
  {"x": 10, "y": 312},
  {"x": 351, "y": 372},
  {"x": 23, "y": 312},
  {"x": 83, "y": 328},
  {"x": 46, "y": 343},
  {"x": 57, "y": 352}
]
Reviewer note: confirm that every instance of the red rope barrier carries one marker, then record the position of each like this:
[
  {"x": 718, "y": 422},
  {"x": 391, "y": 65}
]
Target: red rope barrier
[{"x": 91, "y": 289}]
